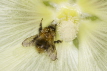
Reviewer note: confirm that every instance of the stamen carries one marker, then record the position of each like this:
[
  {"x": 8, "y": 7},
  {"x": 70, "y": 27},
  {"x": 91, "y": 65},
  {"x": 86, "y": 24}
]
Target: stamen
[{"x": 67, "y": 30}]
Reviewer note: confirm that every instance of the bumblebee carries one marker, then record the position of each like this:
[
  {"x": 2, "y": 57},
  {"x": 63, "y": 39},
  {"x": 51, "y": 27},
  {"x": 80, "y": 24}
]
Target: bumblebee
[{"x": 44, "y": 41}]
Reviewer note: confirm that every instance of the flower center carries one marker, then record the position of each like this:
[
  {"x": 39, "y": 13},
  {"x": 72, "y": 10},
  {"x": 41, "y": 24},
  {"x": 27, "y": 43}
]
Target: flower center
[
  {"x": 69, "y": 23},
  {"x": 67, "y": 30}
]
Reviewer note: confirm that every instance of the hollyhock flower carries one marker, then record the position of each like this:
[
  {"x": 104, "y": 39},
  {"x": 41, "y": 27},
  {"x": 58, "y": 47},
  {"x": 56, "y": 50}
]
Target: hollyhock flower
[{"x": 81, "y": 25}]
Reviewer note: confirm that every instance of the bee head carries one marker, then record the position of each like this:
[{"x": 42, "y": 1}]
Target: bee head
[{"x": 53, "y": 27}]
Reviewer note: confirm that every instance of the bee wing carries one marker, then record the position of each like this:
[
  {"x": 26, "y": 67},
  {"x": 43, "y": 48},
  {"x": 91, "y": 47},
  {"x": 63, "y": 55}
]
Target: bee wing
[
  {"x": 52, "y": 53},
  {"x": 29, "y": 41}
]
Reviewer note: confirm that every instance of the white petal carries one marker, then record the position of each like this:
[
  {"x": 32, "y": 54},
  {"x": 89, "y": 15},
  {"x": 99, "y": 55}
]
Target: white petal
[
  {"x": 21, "y": 58},
  {"x": 67, "y": 57},
  {"x": 93, "y": 46},
  {"x": 20, "y": 19},
  {"x": 94, "y": 7}
]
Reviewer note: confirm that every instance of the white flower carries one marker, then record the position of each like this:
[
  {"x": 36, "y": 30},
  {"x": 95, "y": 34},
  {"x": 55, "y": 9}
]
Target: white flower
[{"x": 81, "y": 24}]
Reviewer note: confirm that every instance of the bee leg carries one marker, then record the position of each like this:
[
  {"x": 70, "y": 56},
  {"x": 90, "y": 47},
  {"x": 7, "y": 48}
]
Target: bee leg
[
  {"x": 40, "y": 26},
  {"x": 58, "y": 41}
]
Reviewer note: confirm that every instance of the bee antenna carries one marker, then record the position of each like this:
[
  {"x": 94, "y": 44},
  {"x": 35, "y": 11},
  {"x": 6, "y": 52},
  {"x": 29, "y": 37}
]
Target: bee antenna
[
  {"x": 41, "y": 19},
  {"x": 41, "y": 22},
  {"x": 52, "y": 21},
  {"x": 40, "y": 28}
]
